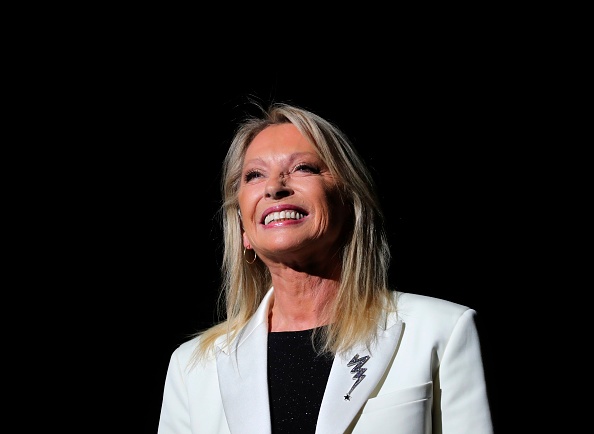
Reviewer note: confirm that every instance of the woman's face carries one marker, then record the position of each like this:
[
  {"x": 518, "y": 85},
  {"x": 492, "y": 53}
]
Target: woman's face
[{"x": 289, "y": 201}]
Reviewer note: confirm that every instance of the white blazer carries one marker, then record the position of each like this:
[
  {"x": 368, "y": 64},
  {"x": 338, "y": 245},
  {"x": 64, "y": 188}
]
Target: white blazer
[{"x": 424, "y": 376}]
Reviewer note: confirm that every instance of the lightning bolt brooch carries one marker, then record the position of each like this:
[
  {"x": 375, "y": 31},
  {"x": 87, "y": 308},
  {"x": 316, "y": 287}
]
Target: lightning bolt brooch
[{"x": 359, "y": 372}]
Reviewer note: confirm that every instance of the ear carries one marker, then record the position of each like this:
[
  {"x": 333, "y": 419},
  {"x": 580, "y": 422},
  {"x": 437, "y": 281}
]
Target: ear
[{"x": 246, "y": 241}]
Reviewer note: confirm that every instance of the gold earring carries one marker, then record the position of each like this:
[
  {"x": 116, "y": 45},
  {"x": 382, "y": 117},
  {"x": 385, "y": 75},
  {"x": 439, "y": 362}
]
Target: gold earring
[{"x": 253, "y": 260}]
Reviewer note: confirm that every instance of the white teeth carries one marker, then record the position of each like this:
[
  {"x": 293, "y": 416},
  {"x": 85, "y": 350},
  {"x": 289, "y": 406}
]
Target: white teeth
[{"x": 282, "y": 215}]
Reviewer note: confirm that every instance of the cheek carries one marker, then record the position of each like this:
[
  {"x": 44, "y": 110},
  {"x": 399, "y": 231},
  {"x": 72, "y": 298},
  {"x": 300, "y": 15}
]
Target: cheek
[
  {"x": 247, "y": 199},
  {"x": 337, "y": 210}
]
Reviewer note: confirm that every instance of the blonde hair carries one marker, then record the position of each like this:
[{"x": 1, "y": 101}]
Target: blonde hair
[{"x": 363, "y": 295}]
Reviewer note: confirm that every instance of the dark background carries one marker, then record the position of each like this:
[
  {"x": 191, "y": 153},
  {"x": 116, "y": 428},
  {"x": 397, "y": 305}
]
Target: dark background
[
  {"x": 119, "y": 119},
  {"x": 436, "y": 137}
]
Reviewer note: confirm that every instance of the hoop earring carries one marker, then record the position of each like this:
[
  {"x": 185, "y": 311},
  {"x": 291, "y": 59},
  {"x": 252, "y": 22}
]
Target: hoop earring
[{"x": 253, "y": 260}]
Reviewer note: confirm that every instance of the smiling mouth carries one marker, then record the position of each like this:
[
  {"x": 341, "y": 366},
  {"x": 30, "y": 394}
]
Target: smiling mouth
[{"x": 282, "y": 215}]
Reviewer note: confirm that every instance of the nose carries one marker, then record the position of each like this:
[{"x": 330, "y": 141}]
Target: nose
[{"x": 276, "y": 188}]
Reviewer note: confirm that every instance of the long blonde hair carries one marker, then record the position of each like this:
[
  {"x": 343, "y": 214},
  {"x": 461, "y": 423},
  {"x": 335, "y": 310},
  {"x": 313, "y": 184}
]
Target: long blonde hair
[{"x": 363, "y": 294}]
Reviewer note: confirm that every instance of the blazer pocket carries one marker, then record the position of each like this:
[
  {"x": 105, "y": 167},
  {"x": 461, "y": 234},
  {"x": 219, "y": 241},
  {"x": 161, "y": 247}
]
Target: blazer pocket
[{"x": 399, "y": 397}]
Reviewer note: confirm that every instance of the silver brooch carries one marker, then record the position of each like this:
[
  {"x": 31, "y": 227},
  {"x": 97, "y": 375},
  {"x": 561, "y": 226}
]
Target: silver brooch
[{"x": 358, "y": 371}]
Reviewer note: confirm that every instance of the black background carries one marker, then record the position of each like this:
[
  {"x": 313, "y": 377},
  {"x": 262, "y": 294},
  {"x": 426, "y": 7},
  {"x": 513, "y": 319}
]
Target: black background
[
  {"x": 118, "y": 123},
  {"x": 436, "y": 136}
]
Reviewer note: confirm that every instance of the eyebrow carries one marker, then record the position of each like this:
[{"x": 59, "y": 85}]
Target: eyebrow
[{"x": 292, "y": 157}]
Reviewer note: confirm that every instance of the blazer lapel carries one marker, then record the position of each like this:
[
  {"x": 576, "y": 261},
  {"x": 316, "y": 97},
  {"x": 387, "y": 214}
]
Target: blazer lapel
[
  {"x": 344, "y": 398},
  {"x": 242, "y": 370},
  {"x": 243, "y": 377}
]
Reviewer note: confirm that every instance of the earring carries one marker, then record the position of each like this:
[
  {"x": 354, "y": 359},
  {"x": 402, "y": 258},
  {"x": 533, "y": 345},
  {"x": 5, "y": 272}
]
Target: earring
[{"x": 253, "y": 260}]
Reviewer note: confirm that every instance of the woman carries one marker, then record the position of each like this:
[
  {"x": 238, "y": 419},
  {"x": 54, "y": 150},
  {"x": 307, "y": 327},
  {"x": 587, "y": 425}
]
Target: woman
[{"x": 314, "y": 339}]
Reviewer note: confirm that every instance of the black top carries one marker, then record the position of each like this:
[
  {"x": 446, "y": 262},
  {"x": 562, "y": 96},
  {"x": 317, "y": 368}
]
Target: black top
[{"x": 297, "y": 378}]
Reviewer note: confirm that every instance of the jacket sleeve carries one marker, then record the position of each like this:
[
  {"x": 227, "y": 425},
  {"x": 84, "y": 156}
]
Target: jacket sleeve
[
  {"x": 175, "y": 416},
  {"x": 462, "y": 406}
]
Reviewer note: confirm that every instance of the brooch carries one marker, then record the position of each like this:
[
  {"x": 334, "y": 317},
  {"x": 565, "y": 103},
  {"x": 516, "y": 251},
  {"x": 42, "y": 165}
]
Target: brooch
[{"x": 358, "y": 370}]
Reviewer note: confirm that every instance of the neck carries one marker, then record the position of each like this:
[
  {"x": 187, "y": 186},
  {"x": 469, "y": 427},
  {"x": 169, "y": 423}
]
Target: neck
[{"x": 302, "y": 306}]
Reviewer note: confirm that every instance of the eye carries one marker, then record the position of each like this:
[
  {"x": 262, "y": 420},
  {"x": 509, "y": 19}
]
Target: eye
[
  {"x": 309, "y": 168},
  {"x": 252, "y": 174}
]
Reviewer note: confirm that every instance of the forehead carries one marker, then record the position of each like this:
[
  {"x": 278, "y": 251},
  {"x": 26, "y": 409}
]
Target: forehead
[{"x": 279, "y": 139}]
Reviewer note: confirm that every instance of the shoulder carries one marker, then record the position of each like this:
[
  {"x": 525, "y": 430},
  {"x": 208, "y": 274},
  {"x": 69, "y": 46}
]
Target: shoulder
[
  {"x": 421, "y": 308},
  {"x": 409, "y": 300},
  {"x": 186, "y": 349},
  {"x": 185, "y": 353}
]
